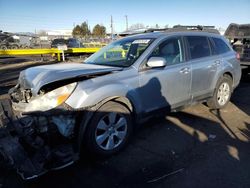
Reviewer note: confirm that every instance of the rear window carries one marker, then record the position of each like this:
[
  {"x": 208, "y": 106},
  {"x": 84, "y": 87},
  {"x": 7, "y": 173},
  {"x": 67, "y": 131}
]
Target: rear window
[
  {"x": 198, "y": 46},
  {"x": 220, "y": 46}
]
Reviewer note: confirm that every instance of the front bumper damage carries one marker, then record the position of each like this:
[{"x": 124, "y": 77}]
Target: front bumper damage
[{"x": 37, "y": 142}]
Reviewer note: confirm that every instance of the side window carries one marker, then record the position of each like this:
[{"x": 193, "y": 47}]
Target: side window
[
  {"x": 212, "y": 46},
  {"x": 171, "y": 50},
  {"x": 198, "y": 46},
  {"x": 220, "y": 46}
]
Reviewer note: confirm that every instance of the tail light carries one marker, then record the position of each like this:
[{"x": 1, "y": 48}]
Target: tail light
[{"x": 237, "y": 56}]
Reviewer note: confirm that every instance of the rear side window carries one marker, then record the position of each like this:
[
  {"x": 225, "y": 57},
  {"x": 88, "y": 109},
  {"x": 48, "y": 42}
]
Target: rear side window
[
  {"x": 220, "y": 46},
  {"x": 198, "y": 46}
]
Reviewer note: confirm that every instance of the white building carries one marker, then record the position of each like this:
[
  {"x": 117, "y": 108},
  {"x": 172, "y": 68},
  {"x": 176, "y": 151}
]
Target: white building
[{"x": 60, "y": 33}]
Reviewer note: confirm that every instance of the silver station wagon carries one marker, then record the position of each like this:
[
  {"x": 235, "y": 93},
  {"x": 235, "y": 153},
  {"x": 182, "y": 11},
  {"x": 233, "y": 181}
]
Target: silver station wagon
[{"x": 63, "y": 110}]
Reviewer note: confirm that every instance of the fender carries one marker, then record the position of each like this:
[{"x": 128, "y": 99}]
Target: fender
[
  {"x": 105, "y": 92},
  {"x": 224, "y": 69}
]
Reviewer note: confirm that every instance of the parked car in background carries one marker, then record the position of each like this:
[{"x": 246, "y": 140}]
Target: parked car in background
[
  {"x": 239, "y": 36},
  {"x": 70, "y": 43},
  {"x": 93, "y": 107}
]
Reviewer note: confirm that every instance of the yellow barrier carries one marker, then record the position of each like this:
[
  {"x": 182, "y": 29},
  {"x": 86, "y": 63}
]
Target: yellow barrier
[
  {"x": 47, "y": 51},
  {"x": 29, "y": 51},
  {"x": 90, "y": 45},
  {"x": 82, "y": 50}
]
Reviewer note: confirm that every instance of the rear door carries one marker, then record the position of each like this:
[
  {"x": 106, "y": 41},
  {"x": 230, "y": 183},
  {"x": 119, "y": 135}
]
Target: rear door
[
  {"x": 168, "y": 86},
  {"x": 204, "y": 65}
]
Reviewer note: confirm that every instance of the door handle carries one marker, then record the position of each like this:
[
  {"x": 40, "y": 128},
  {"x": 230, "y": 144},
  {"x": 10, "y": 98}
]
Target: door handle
[
  {"x": 217, "y": 63},
  {"x": 185, "y": 70}
]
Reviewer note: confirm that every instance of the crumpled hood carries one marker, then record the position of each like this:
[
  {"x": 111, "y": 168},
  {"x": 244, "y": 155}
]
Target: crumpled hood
[{"x": 36, "y": 77}]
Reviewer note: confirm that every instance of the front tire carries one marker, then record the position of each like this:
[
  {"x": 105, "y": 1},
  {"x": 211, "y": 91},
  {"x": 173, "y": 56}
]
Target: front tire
[
  {"x": 109, "y": 129},
  {"x": 222, "y": 93}
]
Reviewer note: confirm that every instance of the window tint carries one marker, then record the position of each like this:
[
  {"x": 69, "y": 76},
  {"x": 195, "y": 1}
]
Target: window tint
[
  {"x": 212, "y": 47},
  {"x": 170, "y": 50},
  {"x": 198, "y": 46},
  {"x": 220, "y": 46}
]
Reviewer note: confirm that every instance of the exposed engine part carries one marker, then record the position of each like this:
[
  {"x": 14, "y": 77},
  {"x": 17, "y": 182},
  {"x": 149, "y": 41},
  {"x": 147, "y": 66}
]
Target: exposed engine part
[
  {"x": 34, "y": 145},
  {"x": 18, "y": 94},
  {"x": 64, "y": 124}
]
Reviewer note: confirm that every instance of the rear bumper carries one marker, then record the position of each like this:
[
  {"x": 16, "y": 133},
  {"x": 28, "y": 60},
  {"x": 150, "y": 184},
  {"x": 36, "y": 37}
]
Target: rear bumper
[{"x": 35, "y": 143}]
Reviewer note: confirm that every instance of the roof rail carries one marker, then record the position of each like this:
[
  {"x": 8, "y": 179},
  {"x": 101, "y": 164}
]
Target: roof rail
[
  {"x": 179, "y": 28},
  {"x": 176, "y": 28},
  {"x": 190, "y": 27}
]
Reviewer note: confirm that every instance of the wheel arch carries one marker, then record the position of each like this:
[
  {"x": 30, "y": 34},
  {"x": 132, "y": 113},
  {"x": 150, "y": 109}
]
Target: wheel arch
[
  {"x": 229, "y": 74},
  {"x": 219, "y": 76},
  {"x": 211, "y": 104},
  {"x": 88, "y": 115}
]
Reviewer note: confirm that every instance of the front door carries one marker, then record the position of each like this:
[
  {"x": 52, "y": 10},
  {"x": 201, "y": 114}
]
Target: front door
[{"x": 168, "y": 86}]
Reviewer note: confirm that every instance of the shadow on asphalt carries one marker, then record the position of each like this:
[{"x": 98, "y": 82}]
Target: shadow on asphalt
[
  {"x": 241, "y": 96},
  {"x": 7, "y": 57},
  {"x": 246, "y": 132}
]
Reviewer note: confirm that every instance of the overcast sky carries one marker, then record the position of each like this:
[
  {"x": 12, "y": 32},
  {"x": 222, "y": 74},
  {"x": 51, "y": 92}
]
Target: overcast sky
[{"x": 31, "y": 15}]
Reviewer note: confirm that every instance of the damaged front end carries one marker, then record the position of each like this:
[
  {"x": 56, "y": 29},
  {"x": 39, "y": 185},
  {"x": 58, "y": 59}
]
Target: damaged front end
[
  {"x": 38, "y": 129},
  {"x": 37, "y": 132}
]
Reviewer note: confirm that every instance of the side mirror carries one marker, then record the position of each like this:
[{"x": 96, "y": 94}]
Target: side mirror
[{"x": 156, "y": 62}]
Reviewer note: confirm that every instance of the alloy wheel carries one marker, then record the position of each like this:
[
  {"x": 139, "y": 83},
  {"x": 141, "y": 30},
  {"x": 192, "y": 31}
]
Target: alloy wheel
[
  {"x": 111, "y": 131},
  {"x": 223, "y": 93}
]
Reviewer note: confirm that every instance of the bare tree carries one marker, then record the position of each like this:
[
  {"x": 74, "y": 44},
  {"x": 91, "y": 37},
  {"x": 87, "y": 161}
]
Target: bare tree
[
  {"x": 42, "y": 32},
  {"x": 137, "y": 26}
]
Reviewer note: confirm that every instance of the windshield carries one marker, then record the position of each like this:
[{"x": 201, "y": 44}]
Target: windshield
[{"x": 121, "y": 53}]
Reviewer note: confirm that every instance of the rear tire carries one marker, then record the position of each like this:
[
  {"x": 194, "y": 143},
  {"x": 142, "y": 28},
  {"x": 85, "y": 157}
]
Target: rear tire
[
  {"x": 222, "y": 93},
  {"x": 109, "y": 129}
]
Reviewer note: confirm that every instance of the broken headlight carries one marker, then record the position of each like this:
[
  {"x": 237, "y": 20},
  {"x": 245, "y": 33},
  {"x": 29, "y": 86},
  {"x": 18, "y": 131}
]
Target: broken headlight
[{"x": 51, "y": 99}]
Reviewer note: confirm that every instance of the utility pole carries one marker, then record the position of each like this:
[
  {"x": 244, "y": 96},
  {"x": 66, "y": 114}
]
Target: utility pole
[
  {"x": 126, "y": 16},
  {"x": 112, "y": 29},
  {"x": 87, "y": 27}
]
